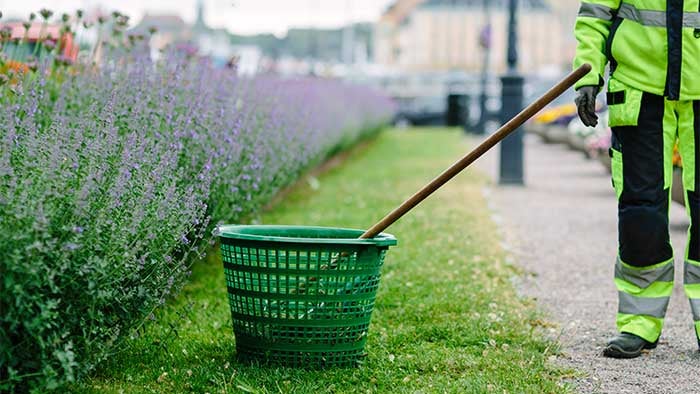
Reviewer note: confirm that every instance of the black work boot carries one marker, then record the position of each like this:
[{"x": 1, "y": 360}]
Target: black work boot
[{"x": 626, "y": 345}]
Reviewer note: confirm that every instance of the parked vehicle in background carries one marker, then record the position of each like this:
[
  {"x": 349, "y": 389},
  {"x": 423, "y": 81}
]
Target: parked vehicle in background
[
  {"x": 422, "y": 97},
  {"x": 420, "y": 111}
]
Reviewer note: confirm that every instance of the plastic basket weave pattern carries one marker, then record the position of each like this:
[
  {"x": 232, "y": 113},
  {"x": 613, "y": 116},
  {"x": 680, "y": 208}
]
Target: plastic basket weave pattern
[{"x": 301, "y": 296}]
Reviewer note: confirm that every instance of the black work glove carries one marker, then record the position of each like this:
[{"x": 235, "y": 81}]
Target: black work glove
[{"x": 585, "y": 102}]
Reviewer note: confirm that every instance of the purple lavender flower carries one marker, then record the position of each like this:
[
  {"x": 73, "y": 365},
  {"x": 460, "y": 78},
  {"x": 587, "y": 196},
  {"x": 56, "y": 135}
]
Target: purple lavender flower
[
  {"x": 70, "y": 246},
  {"x": 146, "y": 156},
  {"x": 49, "y": 44}
]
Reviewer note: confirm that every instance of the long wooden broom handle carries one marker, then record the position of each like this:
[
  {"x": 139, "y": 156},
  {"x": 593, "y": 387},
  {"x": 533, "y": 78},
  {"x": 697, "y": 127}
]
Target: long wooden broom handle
[{"x": 494, "y": 139}]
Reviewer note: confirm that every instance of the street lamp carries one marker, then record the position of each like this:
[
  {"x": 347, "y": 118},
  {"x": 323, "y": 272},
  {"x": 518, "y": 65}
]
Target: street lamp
[
  {"x": 485, "y": 39},
  {"x": 511, "y": 171},
  {"x": 456, "y": 99}
]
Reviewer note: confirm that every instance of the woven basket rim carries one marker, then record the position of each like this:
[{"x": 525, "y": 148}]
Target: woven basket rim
[{"x": 312, "y": 235}]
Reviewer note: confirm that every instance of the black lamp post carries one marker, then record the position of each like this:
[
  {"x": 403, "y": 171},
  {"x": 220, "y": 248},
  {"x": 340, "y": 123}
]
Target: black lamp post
[{"x": 511, "y": 171}]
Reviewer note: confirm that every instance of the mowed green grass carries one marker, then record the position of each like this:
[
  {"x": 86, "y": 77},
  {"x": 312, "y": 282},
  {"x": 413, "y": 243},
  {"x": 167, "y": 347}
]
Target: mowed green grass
[{"x": 446, "y": 319}]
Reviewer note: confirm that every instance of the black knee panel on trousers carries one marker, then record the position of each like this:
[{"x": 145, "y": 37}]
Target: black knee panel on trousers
[
  {"x": 694, "y": 242},
  {"x": 643, "y": 232},
  {"x": 643, "y": 203},
  {"x": 693, "y": 197}
]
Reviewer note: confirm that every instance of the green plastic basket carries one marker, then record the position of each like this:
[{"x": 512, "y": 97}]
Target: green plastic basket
[{"x": 301, "y": 296}]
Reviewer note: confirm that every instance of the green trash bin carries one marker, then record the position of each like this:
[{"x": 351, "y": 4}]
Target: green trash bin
[{"x": 301, "y": 296}]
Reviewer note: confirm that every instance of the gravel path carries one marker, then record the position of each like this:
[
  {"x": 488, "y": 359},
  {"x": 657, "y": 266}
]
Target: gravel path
[{"x": 562, "y": 229}]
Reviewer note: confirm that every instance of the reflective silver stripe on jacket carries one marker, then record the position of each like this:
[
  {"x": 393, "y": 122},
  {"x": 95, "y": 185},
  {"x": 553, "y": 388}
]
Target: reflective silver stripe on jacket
[
  {"x": 628, "y": 11},
  {"x": 632, "y": 305},
  {"x": 642, "y": 278},
  {"x": 695, "y": 307},
  {"x": 691, "y": 274},
  {"x": 596, "y": 11},
  {"x": 692, "y": 20},
  {"x": 644, "y": 17}
]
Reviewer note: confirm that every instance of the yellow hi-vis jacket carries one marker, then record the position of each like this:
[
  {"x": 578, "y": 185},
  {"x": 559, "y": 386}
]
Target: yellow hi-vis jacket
[{"x": 652, "y": 45}]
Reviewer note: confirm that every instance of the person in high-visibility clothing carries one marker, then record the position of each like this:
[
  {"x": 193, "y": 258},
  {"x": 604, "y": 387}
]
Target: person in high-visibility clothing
[{"x": 653, "y": 49}]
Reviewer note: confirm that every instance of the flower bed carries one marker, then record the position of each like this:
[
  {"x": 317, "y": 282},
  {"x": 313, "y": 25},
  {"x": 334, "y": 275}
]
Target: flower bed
[{"x": 113, "y": 179}]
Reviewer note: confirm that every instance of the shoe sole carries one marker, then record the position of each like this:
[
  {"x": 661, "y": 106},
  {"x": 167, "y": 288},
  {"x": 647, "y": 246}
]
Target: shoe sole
[{"x": 614, "y": 351}]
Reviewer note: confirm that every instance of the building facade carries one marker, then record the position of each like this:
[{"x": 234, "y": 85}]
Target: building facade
[
  {"x": 447, "y": 35},
  {"x": 214, "y": 43}
]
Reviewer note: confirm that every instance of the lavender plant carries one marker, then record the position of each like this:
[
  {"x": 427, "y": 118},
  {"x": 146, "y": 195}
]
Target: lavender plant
[{"x": 112, "y": 179}]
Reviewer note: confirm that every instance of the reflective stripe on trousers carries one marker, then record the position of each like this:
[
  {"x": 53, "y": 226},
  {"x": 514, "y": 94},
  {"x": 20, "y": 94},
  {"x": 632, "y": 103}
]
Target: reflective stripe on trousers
[{"x": 691, "y": 278}]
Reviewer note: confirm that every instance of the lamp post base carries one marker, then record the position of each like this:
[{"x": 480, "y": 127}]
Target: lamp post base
[{"x": 511, "y": 165}]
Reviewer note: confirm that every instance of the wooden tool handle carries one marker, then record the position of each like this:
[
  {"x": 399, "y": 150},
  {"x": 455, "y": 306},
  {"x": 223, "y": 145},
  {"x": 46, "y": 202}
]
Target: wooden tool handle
[{"x": 494, "y": 139}]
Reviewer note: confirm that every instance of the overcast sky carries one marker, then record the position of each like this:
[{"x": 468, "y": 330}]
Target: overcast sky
[{"x": 239, "y": 16}]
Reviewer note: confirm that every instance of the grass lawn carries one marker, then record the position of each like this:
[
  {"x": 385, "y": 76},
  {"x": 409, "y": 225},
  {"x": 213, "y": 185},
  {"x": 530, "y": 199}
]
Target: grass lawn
[{"x": 446, "y": 319}]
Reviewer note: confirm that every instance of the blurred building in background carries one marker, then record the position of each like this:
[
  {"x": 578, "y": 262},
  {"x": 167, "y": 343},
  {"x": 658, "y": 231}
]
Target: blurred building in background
[
  {"x": 171, "y": 28},
  {"x": 444, "y": 35},
  {"x": 214, "y": 43}
]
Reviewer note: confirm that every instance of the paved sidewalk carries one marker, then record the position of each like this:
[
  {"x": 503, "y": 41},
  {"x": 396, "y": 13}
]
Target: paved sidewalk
[{"x": 562, "y": 229}]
